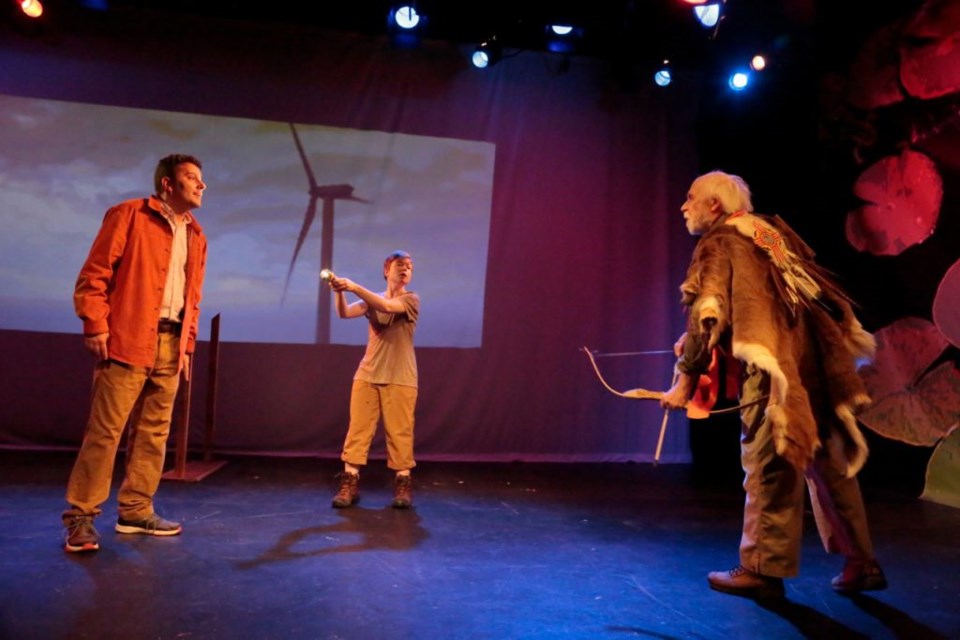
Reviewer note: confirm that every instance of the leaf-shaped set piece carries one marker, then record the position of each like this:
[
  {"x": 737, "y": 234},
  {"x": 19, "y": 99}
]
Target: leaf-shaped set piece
[
  {"x": 930, "y": 53},
  {"x": 946, "y": 305},
  {"x": 910, "y": 403},
  {"x": 943, "y": 472},
  {"x": 903, "y": 195},
  {"x": 874, "y": 80}
]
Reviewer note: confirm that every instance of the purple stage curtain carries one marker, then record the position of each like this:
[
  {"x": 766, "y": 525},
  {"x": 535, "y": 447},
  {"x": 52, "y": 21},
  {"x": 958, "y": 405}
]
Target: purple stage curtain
[{"x": 586, "y": 241}]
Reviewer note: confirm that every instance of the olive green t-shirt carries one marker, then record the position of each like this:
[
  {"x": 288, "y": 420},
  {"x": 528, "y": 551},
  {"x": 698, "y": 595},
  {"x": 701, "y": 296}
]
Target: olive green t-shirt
[{"x": 389, "y": 358}]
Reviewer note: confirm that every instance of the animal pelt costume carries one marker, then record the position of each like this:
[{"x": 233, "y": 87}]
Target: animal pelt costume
[{"x": 753, "y": 288}]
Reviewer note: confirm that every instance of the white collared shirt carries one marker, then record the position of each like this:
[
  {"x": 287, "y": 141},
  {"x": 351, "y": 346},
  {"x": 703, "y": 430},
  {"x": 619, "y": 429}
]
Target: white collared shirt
[{"x": 171, "y": 307}]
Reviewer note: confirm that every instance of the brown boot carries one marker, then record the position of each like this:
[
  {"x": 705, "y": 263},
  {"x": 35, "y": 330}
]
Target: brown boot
[
  {"x": 740, "y": 581},
  {"x": 860, "y": 575},
  {"x": 403, "y": 492},
  {"x": 349, "y": 490}
]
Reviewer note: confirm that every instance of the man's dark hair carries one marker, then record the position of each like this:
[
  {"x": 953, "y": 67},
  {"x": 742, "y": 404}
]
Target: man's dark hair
[{"x": 168, "y": 165}]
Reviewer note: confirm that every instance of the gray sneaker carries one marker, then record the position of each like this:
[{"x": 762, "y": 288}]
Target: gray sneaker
[
  {"x": 81, "y": 534},
  {"x": 152, "y": 526}
]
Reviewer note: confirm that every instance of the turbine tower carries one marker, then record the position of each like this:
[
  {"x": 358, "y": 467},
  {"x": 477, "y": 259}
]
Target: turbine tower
[{"x": 328, "y": 194}]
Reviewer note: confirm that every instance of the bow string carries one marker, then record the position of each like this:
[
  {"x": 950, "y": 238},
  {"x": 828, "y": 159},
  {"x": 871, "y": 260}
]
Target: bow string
[
  {"x": 694, "y": 409},
  {"x": 641, "y": 394}
]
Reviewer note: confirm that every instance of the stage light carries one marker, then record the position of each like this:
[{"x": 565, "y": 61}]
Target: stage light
[
  {"x": 758, "y": 63},
  {"x": 739, "y": 80},
  {"x": 486, "y": 54},
  {"x": 405, "y": 17},
  {"x": 31, "y": 8},
  {"x": 708, "y": 14},
  {"x": 663, "y": 77},
  {"x": 562, "y": 37},
  {"x": 405, "y": 24}
]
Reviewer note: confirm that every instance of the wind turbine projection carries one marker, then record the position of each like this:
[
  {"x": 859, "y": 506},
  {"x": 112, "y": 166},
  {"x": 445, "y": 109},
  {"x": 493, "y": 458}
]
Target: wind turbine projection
[{"x": 328, "y": 194}]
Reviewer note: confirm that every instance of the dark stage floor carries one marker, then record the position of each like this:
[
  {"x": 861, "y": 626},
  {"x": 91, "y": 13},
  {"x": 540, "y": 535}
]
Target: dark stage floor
[{"x": 490, "y": 551}]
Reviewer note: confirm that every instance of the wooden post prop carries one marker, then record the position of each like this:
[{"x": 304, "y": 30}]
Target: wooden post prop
[{"x": 198, "y": 470}]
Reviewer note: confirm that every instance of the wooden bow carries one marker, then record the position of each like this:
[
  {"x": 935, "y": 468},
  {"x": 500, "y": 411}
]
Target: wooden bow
[
  {"x": 640, "y": 394},
  {"x": 697, "y": 408},
  {"x": 700, "y": 405}
]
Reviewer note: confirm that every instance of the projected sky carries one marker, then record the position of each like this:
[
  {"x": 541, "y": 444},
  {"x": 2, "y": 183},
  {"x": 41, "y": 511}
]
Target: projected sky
[{"x": 62, "y": 165}]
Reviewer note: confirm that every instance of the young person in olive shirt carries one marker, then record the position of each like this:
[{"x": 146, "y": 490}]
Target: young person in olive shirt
[{"x": 385, "y": 385}]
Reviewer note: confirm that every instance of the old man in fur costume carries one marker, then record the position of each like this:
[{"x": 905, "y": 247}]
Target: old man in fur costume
[{"x": 755, "y": 294}]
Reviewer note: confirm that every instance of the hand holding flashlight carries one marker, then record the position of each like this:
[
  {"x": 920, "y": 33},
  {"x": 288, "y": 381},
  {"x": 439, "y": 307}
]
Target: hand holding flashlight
[{"x": 338, "y": 285}]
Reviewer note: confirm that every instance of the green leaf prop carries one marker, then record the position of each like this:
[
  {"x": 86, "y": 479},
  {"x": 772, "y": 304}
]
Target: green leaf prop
[{"x": 943, "y": 472}]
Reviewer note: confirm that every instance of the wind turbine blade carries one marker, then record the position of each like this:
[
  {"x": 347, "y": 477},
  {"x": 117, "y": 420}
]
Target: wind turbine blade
[
  {"x": 303, "y": 158},
  {"x": 308, "y": 217}
]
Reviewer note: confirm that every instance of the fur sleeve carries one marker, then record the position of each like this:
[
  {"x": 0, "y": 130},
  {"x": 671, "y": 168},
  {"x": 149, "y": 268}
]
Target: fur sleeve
[{"x": 708, "y": 285}]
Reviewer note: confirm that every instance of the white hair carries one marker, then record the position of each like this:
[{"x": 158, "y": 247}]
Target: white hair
[{"x": 732, "y": 191}]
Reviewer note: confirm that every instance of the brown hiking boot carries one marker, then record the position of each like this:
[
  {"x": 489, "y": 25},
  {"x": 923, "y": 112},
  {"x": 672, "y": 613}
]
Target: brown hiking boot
[
  {"x": 403, "y": 492},
  {"x": 349, "y": 491},
  {"x": 81, "y": 534},
  {"x": 860, "y": 575},
  {"x": 740, "y": 581}
]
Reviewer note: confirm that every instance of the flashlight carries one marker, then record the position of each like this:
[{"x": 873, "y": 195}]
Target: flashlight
[{"x": 326, "y": 275}]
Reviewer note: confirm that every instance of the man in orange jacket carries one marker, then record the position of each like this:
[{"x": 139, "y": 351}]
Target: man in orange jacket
[{"x": 138, "y": 295}]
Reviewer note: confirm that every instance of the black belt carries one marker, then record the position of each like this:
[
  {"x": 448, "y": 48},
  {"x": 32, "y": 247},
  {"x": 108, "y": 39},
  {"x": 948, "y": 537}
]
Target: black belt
[{"x": 169, "y": 326}]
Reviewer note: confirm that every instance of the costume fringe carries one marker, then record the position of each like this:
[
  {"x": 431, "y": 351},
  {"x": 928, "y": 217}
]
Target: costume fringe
[
  {"x": 860, "y": 342},
  {"x": 786, "y": 446},
  {"x": 858, "y": 456},
  {"x": 761, "y": 357}
]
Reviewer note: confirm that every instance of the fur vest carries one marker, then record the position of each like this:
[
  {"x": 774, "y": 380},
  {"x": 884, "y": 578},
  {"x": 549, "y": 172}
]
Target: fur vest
[{"x": 752, "y": 283}]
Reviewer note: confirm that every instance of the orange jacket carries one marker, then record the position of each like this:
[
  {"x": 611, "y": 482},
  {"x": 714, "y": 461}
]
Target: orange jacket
[{"x": 120, "y": 286}]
